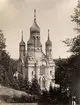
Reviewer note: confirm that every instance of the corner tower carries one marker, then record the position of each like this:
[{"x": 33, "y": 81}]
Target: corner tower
[
  {"x": 22, "y": 47},
  {"x": 48, "y": 48}
]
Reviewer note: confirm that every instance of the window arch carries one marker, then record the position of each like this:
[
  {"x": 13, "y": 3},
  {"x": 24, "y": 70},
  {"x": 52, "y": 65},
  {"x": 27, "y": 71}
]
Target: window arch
[
  {"x": 42, "y": 70},
  {"x": 32, "y": 73},
  {"x": 50, "y": 71},
  {"x": 43, "y": 82},
  {"x": 40, "y": 80},
  {"x": 33, "y": 37},
  {"x": 37, "y": 37}
]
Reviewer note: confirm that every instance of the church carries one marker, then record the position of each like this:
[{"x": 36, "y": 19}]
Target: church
[{"x": 34, "y": 61}]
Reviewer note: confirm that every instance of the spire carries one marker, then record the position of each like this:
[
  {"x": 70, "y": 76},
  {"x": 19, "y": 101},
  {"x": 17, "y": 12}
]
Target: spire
[
  {"x": 22, "y": 36},
  {"x": 35, "y": 15},
  {"x": 22, "y": 42}
]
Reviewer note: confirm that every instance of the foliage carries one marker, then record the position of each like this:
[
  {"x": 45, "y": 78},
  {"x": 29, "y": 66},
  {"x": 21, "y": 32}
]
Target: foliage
[
  {"x": 44, "y": 97},
  {"x": 13, "y": 65},
  {"x": 53, "y": 96},
  {"x": 76, "y": 17},
  {"x": 35, "y": 88},
  {"x": 7, "y": 65},
  {"x": 2, "y": 75},
  {"x": 64, "y": 72},
  {"x": 26, "y": 85},
  {"x": 2, "y": 41},
  {"x": 68, "y": 70},
  {"x": 74, "y": 43}
]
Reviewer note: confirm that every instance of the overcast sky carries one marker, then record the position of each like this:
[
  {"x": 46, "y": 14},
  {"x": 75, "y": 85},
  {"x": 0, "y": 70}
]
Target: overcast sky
[{"x": 18, "y": 15}]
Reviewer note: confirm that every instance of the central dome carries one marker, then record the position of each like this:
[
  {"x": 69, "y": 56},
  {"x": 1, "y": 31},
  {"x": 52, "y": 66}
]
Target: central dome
[{"x": 35, "y": 27}]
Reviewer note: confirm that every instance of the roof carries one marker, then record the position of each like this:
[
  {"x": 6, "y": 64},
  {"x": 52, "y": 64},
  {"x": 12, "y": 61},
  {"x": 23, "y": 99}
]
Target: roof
[
  {"x": 30, "y": 42},
  {"x": 22, "y": 43},
  {"x": 48, "y": 42}
]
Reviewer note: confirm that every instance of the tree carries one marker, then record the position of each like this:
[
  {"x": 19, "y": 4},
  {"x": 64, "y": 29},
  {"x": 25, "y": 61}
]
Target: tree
[
  {"x": 64, "y": 77},
  {"x": 2, "y": 75},
  {"x": 2, "y": 41},
  {"x": 68, "y": 70},
  {"x": 76, "y": 17},
  {"x": 26, "y": 85},
  {"x": 7, "y": 65},
  {"x": 13, "y": 65},
  {"x": 35, "y": 87},
  {"x": 74, "y": 43},
  {"x": 63, "y": 72}
]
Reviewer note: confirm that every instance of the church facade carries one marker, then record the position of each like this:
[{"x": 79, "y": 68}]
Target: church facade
[{"x": 34, "y": 61}]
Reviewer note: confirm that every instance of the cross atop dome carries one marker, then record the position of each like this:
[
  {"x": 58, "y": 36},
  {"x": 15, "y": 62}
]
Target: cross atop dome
[
  {"x": 22, "y": 36},
  {"x": 48, "y": 33}
]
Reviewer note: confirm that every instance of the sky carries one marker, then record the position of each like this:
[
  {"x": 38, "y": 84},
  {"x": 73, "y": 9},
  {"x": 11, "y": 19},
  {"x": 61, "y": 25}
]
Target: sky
[{"x": 18, "y": 15}]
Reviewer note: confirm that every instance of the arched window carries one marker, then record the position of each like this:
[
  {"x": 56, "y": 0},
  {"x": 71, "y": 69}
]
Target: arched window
[
  {"x": 50, "y": 71},
  {"x": 33, "y": 37},
  {"x": 42, "y": 70},
  {"x": 40, "y": 81},
  {"x": 37, "y": 40},
  {"x": 43, "y": 82},
  {"x": 32, "y": 73}
]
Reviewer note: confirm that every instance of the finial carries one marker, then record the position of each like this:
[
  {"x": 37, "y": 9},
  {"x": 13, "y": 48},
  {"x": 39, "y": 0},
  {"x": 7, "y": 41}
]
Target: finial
[
  {"x": 34, "y": 15},
  {"x": 48, "y": 33},
  {"x": 22, "y": 35}
]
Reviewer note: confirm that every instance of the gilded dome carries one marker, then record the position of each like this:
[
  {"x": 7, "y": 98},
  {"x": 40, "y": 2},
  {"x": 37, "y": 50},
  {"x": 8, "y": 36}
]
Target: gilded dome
[
  {"x": 35, "y": 28},
  {"x": 48, "y": 42}
]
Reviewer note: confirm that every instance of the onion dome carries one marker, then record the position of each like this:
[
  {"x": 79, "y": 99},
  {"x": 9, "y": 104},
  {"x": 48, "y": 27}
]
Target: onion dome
[
  {"x": 35, "y": 27},
  {"x": 22, "y": 43},
  {"x": 48, "y": 42}
]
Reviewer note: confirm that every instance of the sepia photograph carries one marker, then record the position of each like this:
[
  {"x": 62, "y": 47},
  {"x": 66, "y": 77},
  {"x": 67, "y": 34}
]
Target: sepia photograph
[{"x": 39, "y": 52}]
